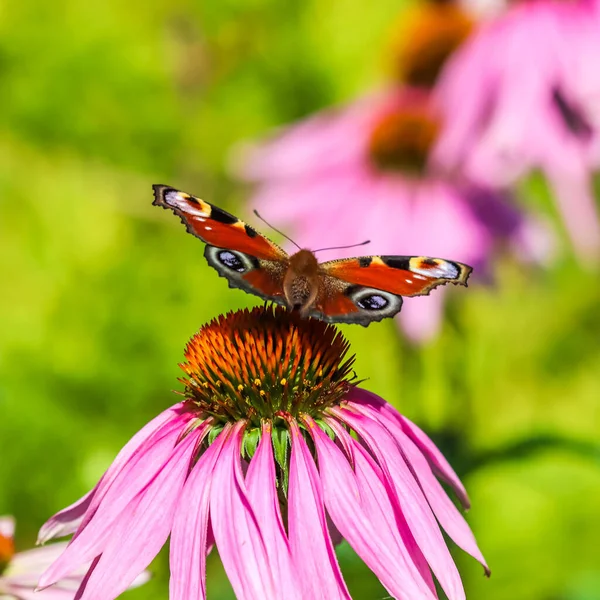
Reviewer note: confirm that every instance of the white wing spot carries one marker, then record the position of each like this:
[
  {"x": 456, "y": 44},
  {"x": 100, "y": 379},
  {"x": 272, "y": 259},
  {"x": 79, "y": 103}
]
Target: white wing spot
[
  {"x": 176, "y": 201},
  {"x": 441, "y": 271}
]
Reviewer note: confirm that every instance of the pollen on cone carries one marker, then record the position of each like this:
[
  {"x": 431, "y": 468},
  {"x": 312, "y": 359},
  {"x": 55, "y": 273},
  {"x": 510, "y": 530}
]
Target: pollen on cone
[{"x": 237, "y": 368}]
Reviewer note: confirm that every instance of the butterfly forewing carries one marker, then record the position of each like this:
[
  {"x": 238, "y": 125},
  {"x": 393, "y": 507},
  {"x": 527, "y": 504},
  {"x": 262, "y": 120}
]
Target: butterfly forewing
[
  {"x": 215, "y": 226},
  {"x": 401, "y": 275},
  {"x": 370, "y": 288}
]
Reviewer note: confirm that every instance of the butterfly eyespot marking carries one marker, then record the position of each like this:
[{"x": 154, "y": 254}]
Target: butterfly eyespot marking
[
  {"x": 372, "y": 300},
  {"x": 229, "y": 260}
]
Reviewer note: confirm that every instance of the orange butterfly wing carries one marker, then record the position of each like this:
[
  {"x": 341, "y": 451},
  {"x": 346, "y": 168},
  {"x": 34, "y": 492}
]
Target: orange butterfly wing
[
  {"x": 401, "y": 275},
  {"x": 215, "y": 226},
  {"x": 370, "y": 288},
  {"x": 247, "y": 259}
]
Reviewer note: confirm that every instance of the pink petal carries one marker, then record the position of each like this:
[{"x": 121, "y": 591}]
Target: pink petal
[
  {"x": 69, "y": 519},
  {"x": 436, "y": 459},
  {"x": 372, "y": 477},
  {"x": 237, "y": 533},
  {"x": 127, "y": 484},
  {"x": 189, "y": 535},
  {"x": 261, "y": 483},
  {"x": 81, "y": 586},
  {"x": 30, "y": 563},
  {"x": 28, "y": 593},
  {"x": 364, "y": 515},
  {"x": 164, "y": 424},
  {"x": 573, "y": 191},
  {"x": 7, "y": 526},
  {"x": 312, "y": 550},
  {"x": 143, "y": 527},
  {"x": 66, "y": 521},
  {"x": 85, "y": 580},
  {"x": 413, "y": 504},
  {"x": 313, "y": 146},
  {"x": 445, "y": 511}
]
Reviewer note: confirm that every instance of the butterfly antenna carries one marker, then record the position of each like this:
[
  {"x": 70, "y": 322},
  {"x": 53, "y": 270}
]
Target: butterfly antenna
[
  {"x": 344, "y": 247},
  {"x": 287, "y": 237}
]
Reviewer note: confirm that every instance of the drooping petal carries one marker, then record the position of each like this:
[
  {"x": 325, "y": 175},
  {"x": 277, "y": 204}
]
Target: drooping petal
[
  {"x": 319, "y": 144},
  {"x": 446, "y": 513},
  {"x": 413, "y": 504},
  {"x": 81, "y": 584},
  {"x": 436, "y": 459},
  {"x": 170, "y": 420},
  {"x": 261, "y": 483},
  {"x": 369, "y": 473},
  {"x": 7, "y": 526},
  {"x": 143, "y": 527},
  {"x": 237, "y": 533},
  {"x": 573, "y": 190},
  {"x": 66, "y": 521},
  {"x": 132, "y": 478},
  {"x": 189, "y": 535},
  {"x": 28, "y": 593},
  {"x": 25, "y": 567},
  {"x": 364, "y": 516},
  {"x": 312, "y": 550},
  {"x": 69, "y": 519}
]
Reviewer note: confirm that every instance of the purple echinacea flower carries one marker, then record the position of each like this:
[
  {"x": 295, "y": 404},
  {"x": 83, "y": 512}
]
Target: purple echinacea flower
[
  {"x": 362, "y": 172},
  {"x": 272, "y": 450},
  {"x": 523, "y": 93}
]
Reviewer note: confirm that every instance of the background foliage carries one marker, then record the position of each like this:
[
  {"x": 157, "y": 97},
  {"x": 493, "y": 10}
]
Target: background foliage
[{"x": 100, "y": 291}]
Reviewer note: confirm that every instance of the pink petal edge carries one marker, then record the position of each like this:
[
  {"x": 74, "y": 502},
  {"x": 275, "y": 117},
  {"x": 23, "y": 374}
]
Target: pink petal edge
[
  {"x": 359, "y": 510},
  {"x": 312, "y": 549}
]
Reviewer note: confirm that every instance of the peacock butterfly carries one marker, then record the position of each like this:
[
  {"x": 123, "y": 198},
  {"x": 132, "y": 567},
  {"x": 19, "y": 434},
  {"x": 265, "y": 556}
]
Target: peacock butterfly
[{"x": 352, "y": 290}]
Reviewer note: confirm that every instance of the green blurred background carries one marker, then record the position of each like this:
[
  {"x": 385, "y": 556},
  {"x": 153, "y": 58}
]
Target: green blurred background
[{"x": 100, "y": 290}]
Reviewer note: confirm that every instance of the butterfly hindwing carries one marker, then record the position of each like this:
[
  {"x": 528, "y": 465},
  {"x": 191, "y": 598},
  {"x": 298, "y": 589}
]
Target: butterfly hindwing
[
  {"x": 370, "y": 288},
  {"x": 263, "y": 278}
]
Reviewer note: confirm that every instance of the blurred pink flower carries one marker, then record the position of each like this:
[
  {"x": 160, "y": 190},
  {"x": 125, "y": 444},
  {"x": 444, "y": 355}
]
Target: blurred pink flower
[
  {"x": 19, "y": 572},
  {"x": 523, "y": 92},
  {"x": 361, "y": 172},
  {"x": 259, "y": 459}
]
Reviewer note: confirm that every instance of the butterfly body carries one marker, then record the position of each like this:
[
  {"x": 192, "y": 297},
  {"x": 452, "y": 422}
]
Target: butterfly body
[
  {"x": 301, "y": 281},
  {"x": 356, "y": 290}
]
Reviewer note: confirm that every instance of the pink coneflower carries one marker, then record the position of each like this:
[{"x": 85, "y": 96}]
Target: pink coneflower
[
  {"x": 19, "y": 572},
  {"x": 272, "y": 449},
  {"x": 361, "y": 172},
  {"x": 524, "y": 93}
]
